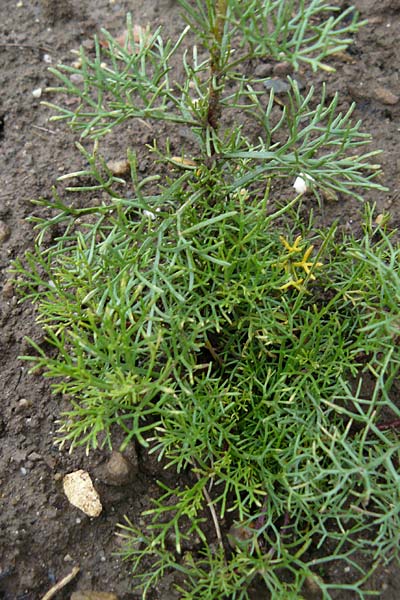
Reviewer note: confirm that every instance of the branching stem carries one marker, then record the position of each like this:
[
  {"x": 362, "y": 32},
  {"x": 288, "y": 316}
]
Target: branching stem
[
  {"x": 214, "y": 107},
  {"x": 213, "y": 513}
]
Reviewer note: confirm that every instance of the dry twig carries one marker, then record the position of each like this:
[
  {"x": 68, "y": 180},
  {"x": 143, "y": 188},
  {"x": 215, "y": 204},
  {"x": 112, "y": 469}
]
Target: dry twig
[
  {"x": 213, "y": 513},
  {"x": 62, "y": 583}
]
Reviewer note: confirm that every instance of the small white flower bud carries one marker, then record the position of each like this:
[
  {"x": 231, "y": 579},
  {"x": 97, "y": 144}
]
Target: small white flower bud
[
  {"x": 148, "y": 213},
  {"x": 300, "y": 183}
]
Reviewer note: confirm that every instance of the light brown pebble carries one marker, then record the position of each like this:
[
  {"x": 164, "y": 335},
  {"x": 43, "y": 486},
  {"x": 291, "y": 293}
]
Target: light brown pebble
[
  {"x": 386, "y": 96},
  {"x": 78, "y": 488},
  {"x": 118, "y": 470},
  {"x": 23, "y": 404},
  {"x": 5, "y": 232},
  {"x": 68, "y": 558},
  {"x": 92, "y": 595},
  {"x": 119, "y": 167},
  {"x": 8, "y": 290},
  {"x": 283, "y": 68},
  {"x": 77, "y": 64},
  {"x": 76, "y": 78}
]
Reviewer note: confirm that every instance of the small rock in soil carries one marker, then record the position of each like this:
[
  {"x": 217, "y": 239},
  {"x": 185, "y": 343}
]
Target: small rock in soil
[
  {"x": 263, "y": 71},
  {"x": 386, "y": 96},
  {"x": 88, "y": 44},
  {"x": 91, "y": 595},
  {"x": 24, "y": 402},
  {"x": 68, "y": 558},
  {"x": 119, "y": 167},
  {"x": 77, "y": 64},
  {"x": 278, "y": 85},
  {"x": 5, "y": 232},
  {"x": 78, "y": 488},
  {"x": 76, "y": 78},
  {"x": 8, "y": 290},
  {"x": 118, "y": 470},
  {"x": 35, "y": 456},
  {"x": 282, "y": 69}
]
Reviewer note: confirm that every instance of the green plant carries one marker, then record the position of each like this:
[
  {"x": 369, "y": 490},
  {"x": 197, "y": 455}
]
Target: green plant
[{"x": 212, "y": 323}]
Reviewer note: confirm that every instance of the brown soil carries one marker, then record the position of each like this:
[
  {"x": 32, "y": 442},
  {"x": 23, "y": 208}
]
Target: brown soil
[{"x": 42, "y": 536}]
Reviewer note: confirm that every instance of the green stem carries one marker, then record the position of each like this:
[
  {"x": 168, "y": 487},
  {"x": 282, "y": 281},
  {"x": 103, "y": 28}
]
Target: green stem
[{"x": 214, "y": 107}]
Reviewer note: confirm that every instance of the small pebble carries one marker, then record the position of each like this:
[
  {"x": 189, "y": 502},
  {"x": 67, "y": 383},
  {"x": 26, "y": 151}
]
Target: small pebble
[
  {"x": 78, "y": 488},
  {"x": 47, "y": 59},
  {"x": 76, "y": 78},
  {"x": 119, "y": 167},
  {"x": 23, "y": 471},
  {"x": 23, "y": 404},
  {"x": 68, "y": 558},
  {"x": 8, "y": 290},
  {"x": 282, "y": 69},
  {"x": 386, "y": 96},
  {"x": 278, "y": 85},
  {"x": 36, "y": 93},
  {"x": 88, "y": 44},
  {"x": 263, "y": 71},
  {"x": 35, "y": 456},
  {"x": 118, "y": 470},
  {"x": 5, "y": 232},
  {"x": 77, "y": 64}
]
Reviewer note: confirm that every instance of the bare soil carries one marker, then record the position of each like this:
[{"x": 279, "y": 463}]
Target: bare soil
[{"x": 42, "y": 536}]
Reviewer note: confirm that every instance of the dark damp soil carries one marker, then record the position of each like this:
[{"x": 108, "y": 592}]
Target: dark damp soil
[{"x": 42, "y": 536}]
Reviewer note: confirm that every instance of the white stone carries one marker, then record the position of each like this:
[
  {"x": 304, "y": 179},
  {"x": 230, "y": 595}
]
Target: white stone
[{"x": 79, "y": 489}]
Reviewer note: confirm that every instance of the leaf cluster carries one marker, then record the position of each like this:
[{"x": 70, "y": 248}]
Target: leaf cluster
[
  {"x": 179, "y": 328},
  {"x": 137, "y": 80}
]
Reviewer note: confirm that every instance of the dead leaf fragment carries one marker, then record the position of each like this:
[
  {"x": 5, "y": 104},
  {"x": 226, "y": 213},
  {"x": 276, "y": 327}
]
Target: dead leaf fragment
[
  {"x": 58, "y": 586},
  {"x": 344, "y": 57},
  {"x": 78, "y": 488},
  {"x": 185, "y": 163}
]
